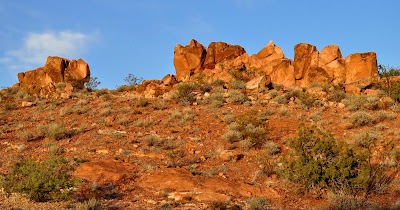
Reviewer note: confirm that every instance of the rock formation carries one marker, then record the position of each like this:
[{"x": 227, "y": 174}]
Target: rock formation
[
  {"x": 42, "y": 81},
  {"x": 221, "y": 60}
]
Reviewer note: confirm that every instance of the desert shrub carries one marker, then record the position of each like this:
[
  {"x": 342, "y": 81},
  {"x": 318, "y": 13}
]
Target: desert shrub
[
  {"x": 346, "y": 202},
  {"x": 365, "y": 139},
  {"x": 41, "y": 181},
  {"x": 142, "y": 102},
  {"x": 152, "y": 140},
  {"x": 144, "y": 122},
  {"x": 55, "y": 131},
  {"x": 218, "y": 82},
  {"x": 27, "y": 135},
  {"x": 281, "y": 99},
  {"x": 337, "y": 94},
  {"x": 271, "y": 148},
  {"x": 318, "y": 161},
  {"x": 354, "y": 103},
  {"x": 218, "y": 205},
  {"x": 92, "y": 84},
  {"x": 106, "y": 111},
  {"x": 391, "y": 88},
  {"x": 257, "y": 203},
  {"x": 91, "y": 204},
  {"x": 273, "y": 93},
  {"x": 159, "y": 104},
  {"x": 371, "y": 103},
  {"x": 232, "y": 136},
  {"x": 236, "y": 97},
  {"x": 249, "y": 128},
  {"x": 384, "y": 115},
  {"x": 237, "y": 84},
  {"x": 133, "y": 80},
  {"x": 184, "y": 92},
  {"x": 361, "y": 118}
]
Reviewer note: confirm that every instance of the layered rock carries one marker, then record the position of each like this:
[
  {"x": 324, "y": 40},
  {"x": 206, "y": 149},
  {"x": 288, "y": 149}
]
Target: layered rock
[{"x": 42, "y": 81}]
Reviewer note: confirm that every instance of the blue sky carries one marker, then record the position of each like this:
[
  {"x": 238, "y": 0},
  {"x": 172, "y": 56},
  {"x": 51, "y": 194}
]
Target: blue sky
[{"x": 121, "y": 37}]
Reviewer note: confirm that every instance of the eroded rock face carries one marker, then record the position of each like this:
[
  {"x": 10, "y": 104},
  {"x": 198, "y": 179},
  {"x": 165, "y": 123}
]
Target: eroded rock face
[
  {"x": 361, "y": 68},
  {"x": 188, "y": 59},
  {"x": 309, "y": 66},
  {"x": 42, "y": 81},
  {"x": 220, "y": 51},
  {"x": 305, "y": 57}
]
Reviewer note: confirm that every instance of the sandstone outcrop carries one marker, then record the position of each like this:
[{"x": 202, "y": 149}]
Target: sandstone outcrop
[
  {"x": 221, "y": 61},
  {"x": 188, "y": 59},
  {"x": 42, "y": 81}
]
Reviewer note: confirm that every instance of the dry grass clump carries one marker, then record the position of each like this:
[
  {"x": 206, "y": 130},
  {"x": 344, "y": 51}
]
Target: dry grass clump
[{"x": 361, "y": 118}]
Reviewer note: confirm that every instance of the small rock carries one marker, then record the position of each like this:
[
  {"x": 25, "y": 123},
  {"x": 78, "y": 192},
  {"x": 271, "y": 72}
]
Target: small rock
[
  {"x": 26, "y": 104},
  {"x": 341, "y": 105},
  {"x": 206, "y": 95}
]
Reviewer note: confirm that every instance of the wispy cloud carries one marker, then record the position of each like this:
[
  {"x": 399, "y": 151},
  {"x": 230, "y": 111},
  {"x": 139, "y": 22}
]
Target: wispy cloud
[{"x": 36, "y": 47}]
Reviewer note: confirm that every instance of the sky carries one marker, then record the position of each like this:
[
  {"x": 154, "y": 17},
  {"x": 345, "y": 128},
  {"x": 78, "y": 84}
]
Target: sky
[{"x": 121, "y": 37}]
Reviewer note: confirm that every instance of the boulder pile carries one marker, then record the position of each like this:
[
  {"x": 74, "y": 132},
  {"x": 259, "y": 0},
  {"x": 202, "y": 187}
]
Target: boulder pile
[
  {"x": 223, "y": 61},
  {"x": 43, "y": 81}
]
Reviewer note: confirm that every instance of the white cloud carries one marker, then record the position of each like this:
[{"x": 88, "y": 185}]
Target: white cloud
[{"x": 37, "y": 46}]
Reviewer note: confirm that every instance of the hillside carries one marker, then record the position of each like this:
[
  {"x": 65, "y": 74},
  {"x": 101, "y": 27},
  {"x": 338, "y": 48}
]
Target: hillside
[{"x": 175, "y": 153}]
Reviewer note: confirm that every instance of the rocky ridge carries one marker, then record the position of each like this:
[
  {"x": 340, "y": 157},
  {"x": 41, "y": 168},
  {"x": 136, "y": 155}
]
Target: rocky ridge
[{"x": 222, "y": 61}]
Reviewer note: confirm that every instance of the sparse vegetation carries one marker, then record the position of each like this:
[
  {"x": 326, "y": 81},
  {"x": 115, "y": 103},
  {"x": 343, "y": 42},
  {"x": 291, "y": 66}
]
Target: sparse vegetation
[
  {"x": 361, "y": 118},
  {"x": 184, "y": 92},
  {"x": 318, "y": 161},
  {"x": 56, "y": 131}
]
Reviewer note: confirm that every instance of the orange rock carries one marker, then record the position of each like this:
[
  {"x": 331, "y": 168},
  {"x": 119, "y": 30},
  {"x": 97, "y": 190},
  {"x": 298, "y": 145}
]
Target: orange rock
[
  {"x": 41, "y": 81},
  {"x": 305, "y": 57},
  {"x": 353, "y": 89},
  {"x": 361, "y": 68},
  {"x": 269, "y": 53},
  {"x": 188, "y": 59},
  {"x": 107, "y": 171},
  {"x": 220, "y": 51},
  {"x": 331, "y": 60},
  {"x": 282, "y": 72}
]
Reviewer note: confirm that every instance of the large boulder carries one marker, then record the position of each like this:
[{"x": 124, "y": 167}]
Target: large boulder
[
  {"x": 42, "y": 81},
  {"x": 331, "y": 60},
  {"x": 220, "y": 51},
  {"x": 305, "y": 57},
  {"x": 188, "y": 59},
  {"x": 361, "y": 68},
  {"x": 282, "y": 72}
]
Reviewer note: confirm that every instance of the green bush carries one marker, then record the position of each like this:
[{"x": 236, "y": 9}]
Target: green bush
[
  {"x": 318, "y": 161},
  {"x": 41, "y": 181},
  {"x": 390, "y": 87}
]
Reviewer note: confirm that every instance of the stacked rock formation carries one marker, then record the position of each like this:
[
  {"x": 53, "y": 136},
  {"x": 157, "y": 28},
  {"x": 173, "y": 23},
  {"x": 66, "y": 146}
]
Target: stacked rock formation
[
  {"x": 42, "y": 81},
  {"x": 309, "y": 66}
]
